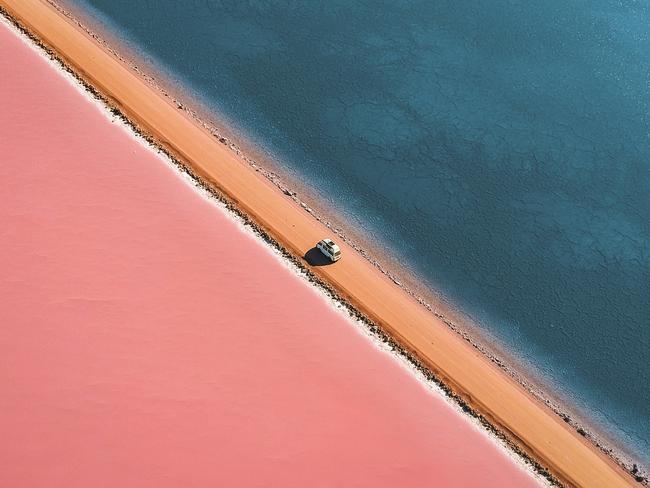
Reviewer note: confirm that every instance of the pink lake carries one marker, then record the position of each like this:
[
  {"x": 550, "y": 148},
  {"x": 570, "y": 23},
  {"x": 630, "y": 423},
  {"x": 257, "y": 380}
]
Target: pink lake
[{"x": 146, "y": 340}]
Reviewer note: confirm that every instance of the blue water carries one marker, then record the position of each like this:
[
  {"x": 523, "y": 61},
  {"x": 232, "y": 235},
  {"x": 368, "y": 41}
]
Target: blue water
[{"x": 500, "y": 148}]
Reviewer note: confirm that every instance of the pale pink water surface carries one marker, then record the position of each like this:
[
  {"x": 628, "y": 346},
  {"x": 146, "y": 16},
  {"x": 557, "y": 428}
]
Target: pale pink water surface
[{"x": 146, "y": 340}]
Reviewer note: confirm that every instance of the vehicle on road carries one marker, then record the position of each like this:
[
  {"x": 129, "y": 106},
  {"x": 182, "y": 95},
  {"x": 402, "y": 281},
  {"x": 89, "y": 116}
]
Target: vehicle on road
[{"x": 331, "y": 250}]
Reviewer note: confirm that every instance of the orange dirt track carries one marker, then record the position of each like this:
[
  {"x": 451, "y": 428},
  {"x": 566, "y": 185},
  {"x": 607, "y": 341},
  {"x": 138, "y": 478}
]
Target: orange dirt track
[{"x": 528, "y": 423}]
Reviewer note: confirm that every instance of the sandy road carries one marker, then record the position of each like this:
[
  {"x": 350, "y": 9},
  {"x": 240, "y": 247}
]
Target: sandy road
[{"x": 489, "y": 390}]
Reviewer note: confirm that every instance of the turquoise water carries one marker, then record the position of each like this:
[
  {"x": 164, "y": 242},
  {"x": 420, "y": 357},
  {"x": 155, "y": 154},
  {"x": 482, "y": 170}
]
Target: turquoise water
[{"x": 500, "y": 148}]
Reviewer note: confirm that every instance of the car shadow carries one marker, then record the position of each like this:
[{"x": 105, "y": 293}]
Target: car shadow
[{"x": 316, "y": 258}]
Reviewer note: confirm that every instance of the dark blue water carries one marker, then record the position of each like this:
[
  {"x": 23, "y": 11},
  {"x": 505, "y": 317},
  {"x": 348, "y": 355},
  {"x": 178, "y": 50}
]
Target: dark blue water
[{"x": 502, "y": 148}]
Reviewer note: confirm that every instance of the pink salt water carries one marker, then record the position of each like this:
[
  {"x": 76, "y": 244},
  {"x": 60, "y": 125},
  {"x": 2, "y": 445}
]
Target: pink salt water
[{"x": 146, "y": 340}]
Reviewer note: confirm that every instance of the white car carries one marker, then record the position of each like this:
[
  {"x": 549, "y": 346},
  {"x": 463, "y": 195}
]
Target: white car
[{"x": 331, "y": 250}]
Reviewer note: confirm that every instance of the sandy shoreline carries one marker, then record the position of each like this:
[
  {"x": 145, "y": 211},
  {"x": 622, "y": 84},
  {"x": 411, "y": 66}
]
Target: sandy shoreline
[{"x": 470, "y": 375}]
